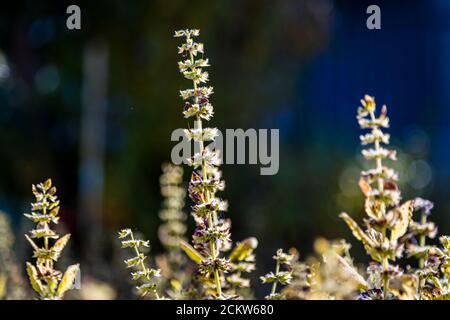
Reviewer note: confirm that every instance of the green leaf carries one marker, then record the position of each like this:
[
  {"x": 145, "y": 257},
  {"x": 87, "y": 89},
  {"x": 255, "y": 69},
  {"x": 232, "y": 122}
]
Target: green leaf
[
  {"x": 47, "y": 184},
  {"x": 36, "y": 284},
  {"x": 243, "y": 249},
  {"x": 193, "y": 254},
  {"x": 68, "y": 279}
]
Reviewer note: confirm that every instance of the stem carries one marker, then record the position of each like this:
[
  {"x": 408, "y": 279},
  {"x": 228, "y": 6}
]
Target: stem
[
  {"x": 379, "y": 167},
  {"x": 422, "y": 242},
  {"x": 385, "y": 278},
  {"x": 46, "y": 243},
  {"x": 141, "y": 264},
  {"x": 204, "y": 178},
  {"x": 380, "y": 185},
  {"x": 274, "y": 285}
]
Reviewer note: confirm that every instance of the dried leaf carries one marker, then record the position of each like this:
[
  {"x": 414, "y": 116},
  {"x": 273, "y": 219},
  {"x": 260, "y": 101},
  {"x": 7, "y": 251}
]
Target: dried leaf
[
  {"x": 357, "y": 232},
  {"x": 365, "y": 187},
  {"x": 403, "y": 216}
]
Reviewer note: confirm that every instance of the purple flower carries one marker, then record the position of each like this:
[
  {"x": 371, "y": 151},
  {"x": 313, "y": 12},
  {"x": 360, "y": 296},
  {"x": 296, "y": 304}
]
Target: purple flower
[{"x": 423, "y": 205}]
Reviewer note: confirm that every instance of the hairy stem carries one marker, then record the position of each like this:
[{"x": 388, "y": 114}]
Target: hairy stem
[{"x": 274, "y": 285}]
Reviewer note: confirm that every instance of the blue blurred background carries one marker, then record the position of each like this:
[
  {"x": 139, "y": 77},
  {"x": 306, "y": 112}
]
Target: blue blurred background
[{"x": 94, "y": 109}]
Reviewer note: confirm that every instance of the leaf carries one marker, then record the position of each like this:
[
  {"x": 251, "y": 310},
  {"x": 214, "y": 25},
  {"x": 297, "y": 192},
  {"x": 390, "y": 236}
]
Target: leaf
[
  {"x": 47, "y": 184},
  {"x": 365, "y": 187},
  {"x": 193, "y": 254},
  {"x": 403, "y": 217},
  {"x": 243, "y": 249},
  {"x": 59, "y": 245},
  {"x": 357, "y": 232},
  {"x": 347, "y": 272},
  {"x": 68, "y": 279},
  {"x": 35, "y": 247},
  {"x": 36, "y": 284},
  {"x": 371, "y": 239}
]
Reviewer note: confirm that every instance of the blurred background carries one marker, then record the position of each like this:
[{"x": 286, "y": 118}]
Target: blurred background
[{"x": 93, "y": 109}]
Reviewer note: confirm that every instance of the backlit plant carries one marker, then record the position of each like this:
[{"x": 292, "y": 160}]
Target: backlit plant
[
  {"x": 279, "y": 277},
  {"x": 405, "y": 264},
  {"x": 48, "y": 282},
  {"x": 146, "y": 277},
  {"x": 386, "y": 221},
  {"x": 212, "y": 233},
  {"x": 173, "y": 263},
  {"x": 433, "y": 268}
]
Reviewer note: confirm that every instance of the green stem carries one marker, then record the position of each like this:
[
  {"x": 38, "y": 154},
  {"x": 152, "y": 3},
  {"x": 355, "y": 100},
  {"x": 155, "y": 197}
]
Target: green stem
[
  {"x": 385, "y": 264},
  {"x": 422, "y": 240},
  {"x": 141, "y": 263},
  {"x": 274, "y": 285}
]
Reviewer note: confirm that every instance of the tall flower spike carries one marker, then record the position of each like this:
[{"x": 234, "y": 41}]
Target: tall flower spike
[
  {"x": 173, "y": 229},
  {"x": 146, "y": 276},
  {"x": 45, "y": 280},
  {"x": 387, "y": 221},
  {"x": 212, "y": 233}
]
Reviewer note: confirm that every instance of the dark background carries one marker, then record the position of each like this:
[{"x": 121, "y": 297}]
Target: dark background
[{"x": 300, "y": 66}]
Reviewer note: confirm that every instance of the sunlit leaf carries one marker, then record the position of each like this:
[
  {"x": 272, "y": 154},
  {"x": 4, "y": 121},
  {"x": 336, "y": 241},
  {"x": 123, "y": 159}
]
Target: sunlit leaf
[
  {"x": 36, "y": 284},
  {"x": 68, "y": 279},
  {"x": 403, "y": 217},
  {"x": 59, "y": 245},
  {"x": 193, "y": 254},
  {"x": 243, "y": 249}
]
